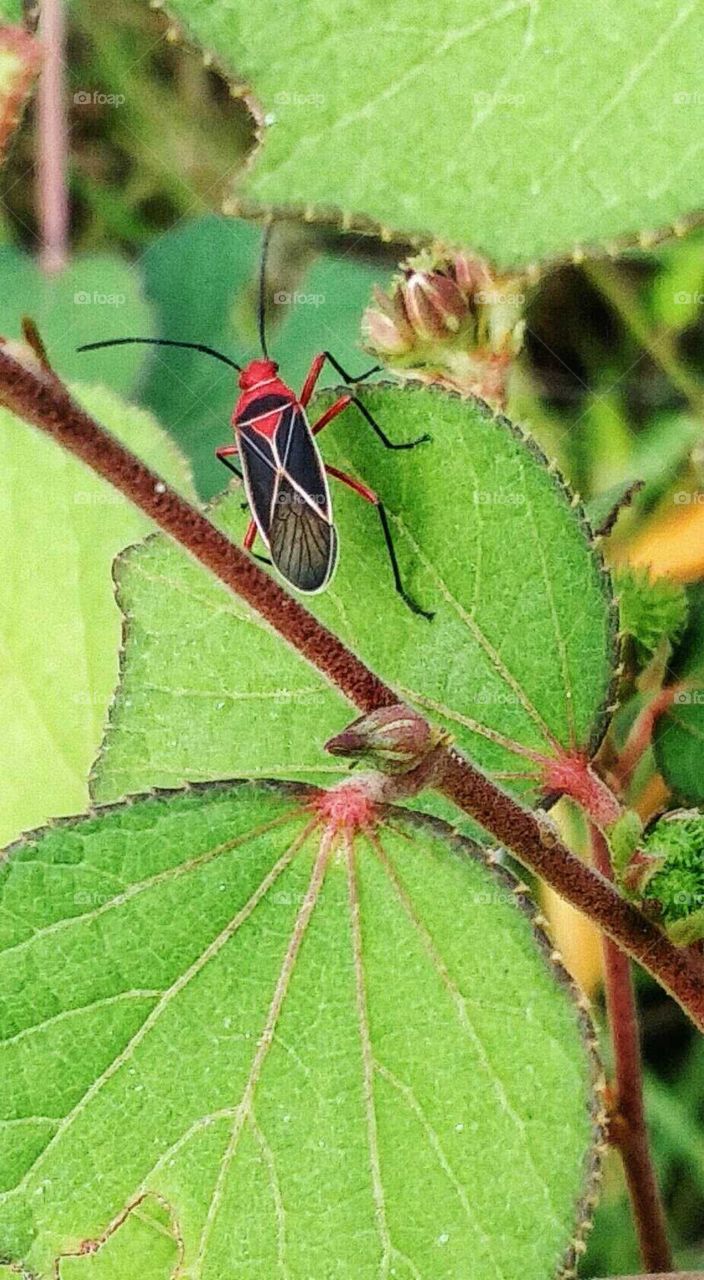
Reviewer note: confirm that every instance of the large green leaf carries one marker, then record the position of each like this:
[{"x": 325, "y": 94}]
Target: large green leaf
[
  {"x": 518, "y": 658},
  {"x": 60, "y": 528},
  {"x": 340, "y": 1057},
  {"x": 94, "y": 297},
  {"x": 201, "y": 279},
  {"x": 521, "y": 129}
]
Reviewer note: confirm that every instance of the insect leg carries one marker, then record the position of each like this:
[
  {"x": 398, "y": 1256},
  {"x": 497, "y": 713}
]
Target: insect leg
[
  {"x": 331, "y": 413},
  {"x": 371, "y": 497},
  {"x": 346, "y": 377},
  {"x": 224, "y": 453},
  {"x": 248, "y": 541},
  {"x": 311, "y": 379}
]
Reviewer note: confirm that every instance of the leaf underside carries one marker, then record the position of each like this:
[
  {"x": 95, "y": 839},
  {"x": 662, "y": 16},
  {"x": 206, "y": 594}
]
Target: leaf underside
[
  {"x": 479, "y": 124},
  {"x": 238, "y": 1048},
  {"x": 516, "y": 664}
]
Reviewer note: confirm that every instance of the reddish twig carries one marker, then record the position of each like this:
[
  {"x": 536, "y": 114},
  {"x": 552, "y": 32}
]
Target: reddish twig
[
  {"x": 628, "y": 1129},
  {"x": 52, "y": 141},
  {"x": 35, "y": 394},
  {"x": 641, "y": 736}
]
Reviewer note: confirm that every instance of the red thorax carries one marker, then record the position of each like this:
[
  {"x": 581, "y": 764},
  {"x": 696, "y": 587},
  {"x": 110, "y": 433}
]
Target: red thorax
[{"x": 261, "y": 378}]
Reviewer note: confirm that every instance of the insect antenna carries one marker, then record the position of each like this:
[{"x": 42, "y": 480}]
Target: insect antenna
[
  {"x": 262, "y": 289},
  {"x": 163, "y": 342}
]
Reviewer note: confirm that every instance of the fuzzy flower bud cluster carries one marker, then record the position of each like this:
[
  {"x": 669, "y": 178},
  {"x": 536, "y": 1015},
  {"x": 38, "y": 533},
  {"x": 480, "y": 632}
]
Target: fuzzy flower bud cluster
[{"x": 449, "y": 320}]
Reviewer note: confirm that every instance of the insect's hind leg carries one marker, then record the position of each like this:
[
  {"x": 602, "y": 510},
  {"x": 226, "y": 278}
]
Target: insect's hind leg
[
  {"x": 362, "y": 408},
  {"x": 398, "y": 582},
  {"x": 371, "y": 497}
]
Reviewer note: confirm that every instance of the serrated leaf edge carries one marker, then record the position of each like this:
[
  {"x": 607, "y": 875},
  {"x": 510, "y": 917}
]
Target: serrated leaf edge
[{"x": 361, "y": 224}]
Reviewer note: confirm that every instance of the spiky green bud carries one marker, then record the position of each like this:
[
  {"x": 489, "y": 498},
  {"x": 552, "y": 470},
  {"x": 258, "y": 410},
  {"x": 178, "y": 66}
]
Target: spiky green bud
[
  {"x": 676, "y": 888},
  {"x": 652, "y": 609}
]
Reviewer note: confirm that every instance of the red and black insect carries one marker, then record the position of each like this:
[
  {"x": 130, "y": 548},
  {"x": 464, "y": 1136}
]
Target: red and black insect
[{"x": 284, "y": 476}]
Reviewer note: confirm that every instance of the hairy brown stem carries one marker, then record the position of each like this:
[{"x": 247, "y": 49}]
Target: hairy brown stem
[
  {"x": 35, "y": 394},
  {"x": 628, "y": 1129}
]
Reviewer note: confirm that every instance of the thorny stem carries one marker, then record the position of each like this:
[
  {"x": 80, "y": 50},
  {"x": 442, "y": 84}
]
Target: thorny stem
[
  {"x": 627, "y": 1128},
  {"x": 35, "y": 394},
  {"x": 52, "y": 141}
]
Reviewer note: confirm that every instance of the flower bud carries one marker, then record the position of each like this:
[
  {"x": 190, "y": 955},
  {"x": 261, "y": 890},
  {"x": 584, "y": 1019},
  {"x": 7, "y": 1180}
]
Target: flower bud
[
  {"x": 393, "y": 739},
  {"x": 433, "y": 304},
  {"x": 472, "y": 274},
  {"x": 385, "y": 326},
  {"x": 449, "y": 320}
]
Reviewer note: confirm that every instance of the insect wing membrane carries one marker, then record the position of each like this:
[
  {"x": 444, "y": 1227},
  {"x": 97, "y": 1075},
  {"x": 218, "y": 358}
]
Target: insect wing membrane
[
  {"x": 302, "y": 539},
  {"x": 258, "y": 455}
]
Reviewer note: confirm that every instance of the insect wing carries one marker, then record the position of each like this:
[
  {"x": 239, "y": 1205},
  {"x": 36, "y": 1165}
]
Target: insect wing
[
  {"x": 288, "y": 492},
  {"x": 259, "y": 458},
  {"x": 302, "y": 542},
  {"x": 302, "y": 538},
  {"x": 261, "y": 472}
]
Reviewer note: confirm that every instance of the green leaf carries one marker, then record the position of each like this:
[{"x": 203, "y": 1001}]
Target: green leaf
[
  {"x": 679, "y": 745},
  {"x": 348, "y": 1057},
  {"x": 604, "y": 509},
  {"x": 518, "y": 658},
  {"x": 675, "y": 300},
  {"x": 201, "y": 279},
  {"x": 144, "y": 1244},
  {"x": 481, "y": 125},
  {"x": 94, "y": 297},
  {"x": 11, "y": 11},
  {"x": 60, "y": 528}
]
